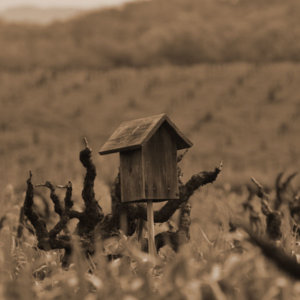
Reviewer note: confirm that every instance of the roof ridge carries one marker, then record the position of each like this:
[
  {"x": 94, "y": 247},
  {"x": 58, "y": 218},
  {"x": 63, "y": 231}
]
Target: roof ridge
[{"x": 135, "y": 133}]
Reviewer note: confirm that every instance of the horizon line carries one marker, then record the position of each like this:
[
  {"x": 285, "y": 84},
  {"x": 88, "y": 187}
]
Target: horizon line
[{"x": 78, "y": 6}]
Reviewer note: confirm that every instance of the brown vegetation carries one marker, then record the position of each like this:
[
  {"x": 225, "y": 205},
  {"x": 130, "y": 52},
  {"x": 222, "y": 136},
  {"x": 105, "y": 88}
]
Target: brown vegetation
[
  {"x": 91, "y": 221},
  {"x": 82, "y": 78}
]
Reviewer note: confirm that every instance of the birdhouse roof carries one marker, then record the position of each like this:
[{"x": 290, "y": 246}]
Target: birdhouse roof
[{"x": 134, "y": 134}]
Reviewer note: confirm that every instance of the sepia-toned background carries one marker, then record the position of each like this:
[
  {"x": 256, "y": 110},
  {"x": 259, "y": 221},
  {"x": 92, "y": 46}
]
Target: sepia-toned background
[{"x": 227, "y": 73}]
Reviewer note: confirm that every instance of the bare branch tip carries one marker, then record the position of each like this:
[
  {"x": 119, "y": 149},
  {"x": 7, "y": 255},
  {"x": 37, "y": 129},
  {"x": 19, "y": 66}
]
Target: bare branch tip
[
  {"x": 40, "y": 184},
  {"x": 47, "y": 184},
  {"x": 220, "y": 165},
  {"x": 181, "y": 156},
  {"x": 60, "y": 186},
  {"x": 67, "y": 186},
  {"x": 185, "y": 152},
  {"x": 290, "y": 178},
  {"x": 255, "y": 182},
  {"x": 85, "y": 141}
]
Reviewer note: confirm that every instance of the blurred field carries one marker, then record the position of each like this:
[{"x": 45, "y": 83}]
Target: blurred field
[
  {"x": 215, "y": 264},
  {"x": 246, "y": 115},
  {"x": 85, "y": 76},
  {"x": 226, "y": 72}
]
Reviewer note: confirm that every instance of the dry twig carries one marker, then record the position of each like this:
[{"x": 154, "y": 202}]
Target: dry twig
[{"x": 273, "y": 218}]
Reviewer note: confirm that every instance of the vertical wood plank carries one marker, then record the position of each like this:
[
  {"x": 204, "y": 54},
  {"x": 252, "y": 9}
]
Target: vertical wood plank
[
  {"x": 131, "y": 173},
  {"x": 160, "y": 166},
  {"x": 150, "y": 221}
]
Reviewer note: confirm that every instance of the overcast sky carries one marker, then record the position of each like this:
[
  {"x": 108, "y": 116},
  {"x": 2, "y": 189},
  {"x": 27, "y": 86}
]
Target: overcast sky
[{"x": 84, "y": 4}]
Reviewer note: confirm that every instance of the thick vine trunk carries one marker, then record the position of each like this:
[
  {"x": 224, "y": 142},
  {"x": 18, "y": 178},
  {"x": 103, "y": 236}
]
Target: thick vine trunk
[{"x": 92, "y": 222}]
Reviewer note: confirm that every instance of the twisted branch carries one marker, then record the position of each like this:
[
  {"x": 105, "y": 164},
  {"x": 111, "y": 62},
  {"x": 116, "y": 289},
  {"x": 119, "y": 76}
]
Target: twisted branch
[
  {"x": 92, "y": 214},
  {"x": 46, "y": 241},
  {"x": 57, "y": 206},
  {"x": 282, "y": 188},
  {"x": 88, "y": 219},
  {"x": 283, "y": 261},
  {"x": 185, "y": 192}
]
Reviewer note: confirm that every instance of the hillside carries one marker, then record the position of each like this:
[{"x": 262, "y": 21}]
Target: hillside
[
  {"x": 227, "y": 73},
  {"x": 83, "y": 77},
  {"x": 143, "y": 34},
  {"x": 246, "y": 115}
]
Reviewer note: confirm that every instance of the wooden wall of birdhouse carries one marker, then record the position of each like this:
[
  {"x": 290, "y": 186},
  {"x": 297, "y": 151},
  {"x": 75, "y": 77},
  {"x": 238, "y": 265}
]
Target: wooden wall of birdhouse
[
  {"x": 150, "y": 173},
  {"x": 148, "y": 158}
]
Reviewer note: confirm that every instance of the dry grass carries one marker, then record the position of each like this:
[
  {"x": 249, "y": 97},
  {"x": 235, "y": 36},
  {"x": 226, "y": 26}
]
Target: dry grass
[
  {"x": 215, "y": 264},
  {"x": 60, "y": 83},
  {"x": 247, "y": 115}
]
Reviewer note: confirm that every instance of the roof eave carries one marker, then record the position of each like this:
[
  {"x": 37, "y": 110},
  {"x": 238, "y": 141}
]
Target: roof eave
[
  {"x": 121, "y": 149},
  {"x": 182, "y": 142}
]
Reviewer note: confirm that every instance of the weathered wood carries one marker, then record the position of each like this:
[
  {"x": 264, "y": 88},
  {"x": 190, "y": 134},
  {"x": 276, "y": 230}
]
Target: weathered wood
[
  {"x": 160, "y": 170},
  {"x": 123, "y": 222},
  {"x": 150, "y": 223},
  {"x": 132, "y": 178},
  {"x": 148, "y": 158},
  {"x": 134, "y": 134}
]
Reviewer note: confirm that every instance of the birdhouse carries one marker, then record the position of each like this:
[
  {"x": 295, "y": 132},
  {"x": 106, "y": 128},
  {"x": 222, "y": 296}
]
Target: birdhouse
[{"x": 148, "y": 158}]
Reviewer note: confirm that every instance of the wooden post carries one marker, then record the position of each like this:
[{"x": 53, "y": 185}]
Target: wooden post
[
  {"x": 150, "y": 223},
  {"x": 123, "y": 221}
]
